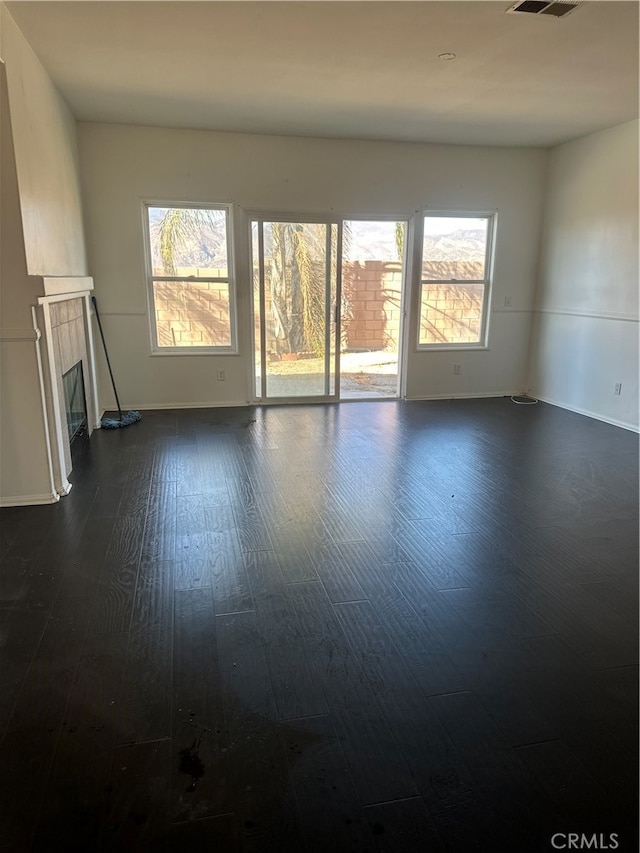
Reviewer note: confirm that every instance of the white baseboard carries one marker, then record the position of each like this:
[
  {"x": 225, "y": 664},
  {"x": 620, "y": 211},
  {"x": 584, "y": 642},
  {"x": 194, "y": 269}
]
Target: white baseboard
[
  {"x": 245, "y": 404},
  {"x": 469, "y": 396},
  {"x": 64, "y": 487},
  {"x": 585, "y": 412},
  {"x": 589, "y": 414},
  {"x": 464, "y": 396},
  {"x": 30, "y": 500},
  {"x": 150, "y": 406}
]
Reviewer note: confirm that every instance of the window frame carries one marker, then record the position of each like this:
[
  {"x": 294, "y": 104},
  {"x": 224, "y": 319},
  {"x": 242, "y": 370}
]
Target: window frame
[
  {"x": 230, "y": 280},
  {"x": 483, "y": 343}
]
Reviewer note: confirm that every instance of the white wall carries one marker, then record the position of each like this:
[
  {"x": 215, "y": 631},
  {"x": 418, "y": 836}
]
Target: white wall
[
  {"x": 122, "y": 165},
  {"x": 41, "y": 233},
  {"x": 586, "y": 334},
  {"x": 25, "y": 470},
  {"x": 44, "y": 133}
]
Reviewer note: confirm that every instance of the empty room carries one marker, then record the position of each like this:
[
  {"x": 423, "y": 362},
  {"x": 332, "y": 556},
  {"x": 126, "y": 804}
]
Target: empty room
[{"x": 319, "y": 426}]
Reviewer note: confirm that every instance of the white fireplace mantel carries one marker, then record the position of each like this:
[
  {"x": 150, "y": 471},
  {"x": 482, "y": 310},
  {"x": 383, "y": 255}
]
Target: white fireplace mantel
[
  {"x": 66, "y": 287},
  {"x": 60, "y": 290}
]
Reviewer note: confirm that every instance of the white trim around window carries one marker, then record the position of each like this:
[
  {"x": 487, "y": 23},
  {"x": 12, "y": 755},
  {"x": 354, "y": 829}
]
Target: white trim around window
[
  {"x": 190, "y": 277},
  {"x": 455, "y": 277}
]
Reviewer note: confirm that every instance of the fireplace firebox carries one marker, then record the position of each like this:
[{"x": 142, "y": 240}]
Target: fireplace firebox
[{"x": 74, "y": 399}]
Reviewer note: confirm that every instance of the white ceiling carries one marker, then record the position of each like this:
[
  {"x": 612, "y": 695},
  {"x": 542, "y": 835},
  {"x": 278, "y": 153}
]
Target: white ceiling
[{"x": 344, "y": 69}]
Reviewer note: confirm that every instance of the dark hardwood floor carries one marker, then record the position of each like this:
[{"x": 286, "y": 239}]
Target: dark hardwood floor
[{"x": 370, "y": 627}]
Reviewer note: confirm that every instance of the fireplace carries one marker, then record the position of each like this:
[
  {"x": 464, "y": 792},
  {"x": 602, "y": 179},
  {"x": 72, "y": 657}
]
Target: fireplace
[
  {"x": 75, "y": 400},
  {"x": 69, "y": 379}
]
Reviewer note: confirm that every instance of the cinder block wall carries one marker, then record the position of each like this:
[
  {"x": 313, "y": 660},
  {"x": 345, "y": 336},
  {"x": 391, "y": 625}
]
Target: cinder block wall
[
  {"x": 452, "y": 308},
  {"x": 371, "y": 304},
  {"x": 196, "y": 313}
]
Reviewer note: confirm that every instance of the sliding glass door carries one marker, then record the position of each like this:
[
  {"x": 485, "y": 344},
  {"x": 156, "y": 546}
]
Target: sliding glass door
[
  {"x": 371, "y": 308},
  {"x": 296, "y": 291},
  {"x": 327, "y": 308}
]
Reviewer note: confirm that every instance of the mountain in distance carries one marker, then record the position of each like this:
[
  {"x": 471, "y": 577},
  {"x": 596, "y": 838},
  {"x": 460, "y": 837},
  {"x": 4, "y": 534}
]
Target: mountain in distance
[
  {"x": 376, "y": 241},
  {"x": 461, "y": 245},
  {"x": 204, "y": 243},
  {"x": 201, "y": 243}
]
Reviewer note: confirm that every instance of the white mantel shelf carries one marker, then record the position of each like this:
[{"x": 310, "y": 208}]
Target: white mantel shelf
[{"x": 66, "y": 286}]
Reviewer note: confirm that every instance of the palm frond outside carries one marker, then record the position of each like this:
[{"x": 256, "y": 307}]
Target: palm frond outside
[
  {"x": 400, "y": 240},
  {"x": 189, "y": 234}
]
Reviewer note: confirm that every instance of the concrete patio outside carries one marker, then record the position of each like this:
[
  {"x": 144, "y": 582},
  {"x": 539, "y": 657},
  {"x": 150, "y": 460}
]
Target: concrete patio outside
[{"x": 363, "y": 375}]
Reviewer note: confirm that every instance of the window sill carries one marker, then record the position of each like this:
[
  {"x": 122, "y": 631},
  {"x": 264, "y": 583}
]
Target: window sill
[
  {"x": 206, "y": 351},
  {"x": 452, "y": 348}
]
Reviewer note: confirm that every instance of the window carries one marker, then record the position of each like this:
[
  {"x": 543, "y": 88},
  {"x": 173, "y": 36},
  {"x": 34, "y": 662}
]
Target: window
[
  {"x": 455, "y": 278},
  {"x": 190, "y": 278}
]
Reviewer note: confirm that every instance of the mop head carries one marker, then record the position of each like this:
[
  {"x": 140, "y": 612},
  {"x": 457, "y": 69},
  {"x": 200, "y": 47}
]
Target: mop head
[{"x": 126, "y": 419}]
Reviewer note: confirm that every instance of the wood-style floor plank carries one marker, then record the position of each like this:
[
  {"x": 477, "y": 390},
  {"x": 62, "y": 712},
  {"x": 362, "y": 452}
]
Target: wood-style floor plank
[
  {"x": 578, "y": 796},
  {"x": 333, "y": 569},
  {"x": 436, "y": 767},
  {"x": 71, "y": 811},
  {"x": 378, "y": 770},
  {"x": 264, "y": 804},
  {"x": 145, "y": 712},
  {"x": 518, "y": 813},
  {"x": 403, "y": 825},
  {"x": 218, "y": 833},
  {"x": 200, "y": 771},
  {"x": 135, "y": 816},
  {"x": 576, "y": 699},
  {"x": 369, "y": 627},
  {"x": 330, "y": 809},
  {"x": 289, "y": 539},
  {"x": 22, "y": 631},
  {"x": 28, "y": 748},
  {"x": 294, "y": 679}
]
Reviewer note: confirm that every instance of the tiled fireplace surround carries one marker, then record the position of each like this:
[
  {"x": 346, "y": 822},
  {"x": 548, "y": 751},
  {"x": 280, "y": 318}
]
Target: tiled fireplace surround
[{"x": 63, "y": 318}]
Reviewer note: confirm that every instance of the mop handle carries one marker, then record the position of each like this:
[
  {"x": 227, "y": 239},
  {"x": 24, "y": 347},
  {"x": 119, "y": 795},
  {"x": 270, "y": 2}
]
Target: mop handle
[{"x": 104, "y": 345}]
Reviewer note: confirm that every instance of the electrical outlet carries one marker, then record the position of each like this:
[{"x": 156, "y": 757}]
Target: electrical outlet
[
  {"x": 457, "y": 369},
  {"x": 221, "y": 376},
  {"x": 507, "y": 302},
  {"x": 617, "y": 388}
]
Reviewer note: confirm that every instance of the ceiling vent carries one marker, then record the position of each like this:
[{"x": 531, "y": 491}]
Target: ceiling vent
[{"x": 557, "y": 9}]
